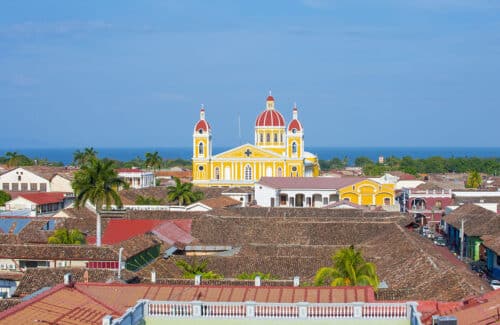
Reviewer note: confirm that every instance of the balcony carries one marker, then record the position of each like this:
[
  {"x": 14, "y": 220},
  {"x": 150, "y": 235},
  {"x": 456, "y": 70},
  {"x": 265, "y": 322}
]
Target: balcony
[{"x": 191, "y": 312}]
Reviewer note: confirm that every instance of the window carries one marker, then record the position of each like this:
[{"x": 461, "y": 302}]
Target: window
[
  {"x": 294, "y": 131},
  {"x": 281, "y": 137},
  {"x": 43, "y": 187},
  {"x": 261, "y": 138},
  {"x": 33, "y": 186},
  {"x": 200, "y": 148},
  {"x": 217, "y": 173},
  {"x": 294, "y": 148},
  {"x": 268, "y": 137},
  {"x": 294, "y": 168},
  {"x": 353, "y": 188},
  {"x": 200, "y": 131},
  {"x": 15, "y": 187},
  {"x": 279, "y": 173},
  {"x": 5, "y": 186},
  {"x": 19, "y": 178},
  {"x": 200, "y": 168},
  {"x": 325, "y": 200},
  {"x": 387, "y": 201},
  {"x": 276, "y": 137},
  {"x": 24, "y": 187},
  {"x": 248, "y": 172}
]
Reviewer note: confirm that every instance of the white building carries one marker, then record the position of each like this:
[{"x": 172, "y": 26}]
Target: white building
[
  {"x": 136, "y": 178},
  {"x": 39, "y": 203},
  {"x": 37, "y": 179}
]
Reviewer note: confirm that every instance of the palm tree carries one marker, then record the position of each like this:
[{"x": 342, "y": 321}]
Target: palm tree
[
  {"x": 349, "y": 269},
  {"x": 97, "y": 183},
  {"x": 189, "y": 271},
  {"x": 81, "y": 158},
  {"x": 183, "y": 193},
  {"x": 65, "y": 236},
  {"x": 153, "y": 160}
]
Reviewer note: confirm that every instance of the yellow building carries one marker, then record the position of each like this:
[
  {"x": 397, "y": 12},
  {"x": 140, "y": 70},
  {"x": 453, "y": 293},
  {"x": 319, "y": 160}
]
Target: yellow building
[
  {"x": 278, "y": 152},
  {"x": 368, "y": 192}
]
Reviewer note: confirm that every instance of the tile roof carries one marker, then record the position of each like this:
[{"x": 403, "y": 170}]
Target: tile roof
[
  {"x": 35, "y": 279},
  {"x": 481, "y": 310},
  {"x": 40, "y": 197},
  {"x": 129, "y": 196},
  {"x": 60, "y": 305},
  {"x": 48, "y": 172},
  {"x": 478, "y": 221},
  {"x": 8, "y": 303},
  {"x": 492, "y": 242},
  {"x": 323, "y": 183},
  {"x": 130, "y": 170},
  {"x": 137, "y": 244},
  {"x": 58, "y": 252},
  {"x": 220, "y": 202},
  {"x": 174, "y": 233},
  {"x": 119, "y": 230}
]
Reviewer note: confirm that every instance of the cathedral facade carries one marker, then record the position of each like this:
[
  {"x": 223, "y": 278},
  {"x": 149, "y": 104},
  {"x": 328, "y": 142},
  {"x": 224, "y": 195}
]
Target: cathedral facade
[{"x": 278, "y": 151}]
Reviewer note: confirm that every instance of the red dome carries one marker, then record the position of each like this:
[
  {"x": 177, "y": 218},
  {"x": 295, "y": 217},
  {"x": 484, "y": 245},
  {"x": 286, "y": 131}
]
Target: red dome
[
  {"x": 270, "y": 98},
  {"x": 295, "y": 124},
  {"x": 270, "y": 117},
  {"x": 202, "y": 125}
]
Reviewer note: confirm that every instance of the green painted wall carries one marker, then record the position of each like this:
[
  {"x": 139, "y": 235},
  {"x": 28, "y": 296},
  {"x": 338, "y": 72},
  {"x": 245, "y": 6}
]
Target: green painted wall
[{"x": 142, "y": 259}]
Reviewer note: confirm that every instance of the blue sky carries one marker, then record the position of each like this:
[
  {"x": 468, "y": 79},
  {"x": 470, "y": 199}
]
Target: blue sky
[{"x": 363, "y": 73}]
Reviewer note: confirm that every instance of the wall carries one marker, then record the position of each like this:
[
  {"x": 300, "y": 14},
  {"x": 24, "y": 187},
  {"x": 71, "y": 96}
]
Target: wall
[
  {"x": 60, "y": 184},
  {"x": 26, "y": 177}
]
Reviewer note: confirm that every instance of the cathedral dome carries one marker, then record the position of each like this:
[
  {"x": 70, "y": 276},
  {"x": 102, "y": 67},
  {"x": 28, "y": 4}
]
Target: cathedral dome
[{"x": 270, "y": 117}]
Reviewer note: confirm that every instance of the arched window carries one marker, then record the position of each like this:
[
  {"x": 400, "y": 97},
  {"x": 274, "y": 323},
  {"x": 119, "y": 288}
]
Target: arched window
[
  {"x": 261, "y": 138},
  {"x": 279, "y": 173},
  {"x": 276, "y": 137},
  {"x": 281, "y": 137},
  {"x": 217, "y": 173},
  {"x": 268, "y": 137},
  {"x": 294, "y": 147},
  {"x": 200, "y": 148},
  {"x": 248, "y": 173}
]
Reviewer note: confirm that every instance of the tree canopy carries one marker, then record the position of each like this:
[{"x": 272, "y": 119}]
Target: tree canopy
[
  {"x": 183, "y": 193},
  {"x": 153, "y": 160},
  {"x": 81, "y": 158},
  {"x": 97, "y": 183},
  {"x": 65, "y": 236},
  {"x": 474, "y": 180},
  {"x": 189, "y": 271},
  {"x": 349, "y": 269},
  {"x": 4, "y": 197}
]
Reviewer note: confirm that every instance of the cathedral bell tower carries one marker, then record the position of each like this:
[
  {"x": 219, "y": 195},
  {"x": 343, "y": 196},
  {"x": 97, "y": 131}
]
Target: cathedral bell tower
[
  {"x": 295, "y": 136},
  {"x": 202, "y": 147}
]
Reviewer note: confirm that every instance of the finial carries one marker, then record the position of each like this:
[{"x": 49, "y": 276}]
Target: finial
[
  {"x": 203, "y": 106},
  {"x": 294, "y": 105},
  {"x": 270, "y": 92}
]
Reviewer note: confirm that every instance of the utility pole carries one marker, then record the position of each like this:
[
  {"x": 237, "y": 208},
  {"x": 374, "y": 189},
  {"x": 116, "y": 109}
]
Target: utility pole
[{"x": 462, "y": 241}]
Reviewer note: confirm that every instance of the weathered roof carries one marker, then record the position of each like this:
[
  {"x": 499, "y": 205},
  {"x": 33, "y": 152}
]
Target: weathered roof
[
  {"x": 137, "y": 244},
  {"x": 478, "y": 221},
  {"x": 492, "y": 242},
  {"x": 58, "y": 252},
  {"x": 35, "y": 279},
  {"x": 220, "y": 202},
  {"x": 48, "y": 172},
  {"x": 320, "y": 183}
]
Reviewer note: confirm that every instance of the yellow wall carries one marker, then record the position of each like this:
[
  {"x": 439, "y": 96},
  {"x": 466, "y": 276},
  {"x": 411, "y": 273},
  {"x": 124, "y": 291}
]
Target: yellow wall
[{"x": 368, "y": 192}]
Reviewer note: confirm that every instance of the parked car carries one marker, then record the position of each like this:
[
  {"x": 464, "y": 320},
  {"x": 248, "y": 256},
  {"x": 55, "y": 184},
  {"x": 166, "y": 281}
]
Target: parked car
[
  {"x": 439, "y": 241},
  {"x": 495, "y": 284}
]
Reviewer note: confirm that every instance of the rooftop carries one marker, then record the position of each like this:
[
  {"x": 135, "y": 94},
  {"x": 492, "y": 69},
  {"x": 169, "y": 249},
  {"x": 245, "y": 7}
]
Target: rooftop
[
  {"x": 324, "y": 183},
  {"x": 478, "y": 221}
]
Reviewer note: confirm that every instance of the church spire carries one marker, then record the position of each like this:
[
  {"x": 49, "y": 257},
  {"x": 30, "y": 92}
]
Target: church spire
[{"x": 270, "y": 102}]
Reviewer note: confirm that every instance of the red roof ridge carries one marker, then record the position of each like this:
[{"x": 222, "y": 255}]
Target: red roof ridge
[{"x": 28, "y": 302}]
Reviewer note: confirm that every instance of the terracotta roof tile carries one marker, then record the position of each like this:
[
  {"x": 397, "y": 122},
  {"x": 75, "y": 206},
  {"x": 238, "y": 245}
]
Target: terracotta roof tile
[
  {"x": 478, "y": 221},
  {"x": 58, "y": 252},
  {"x": 220, "y": 202}
]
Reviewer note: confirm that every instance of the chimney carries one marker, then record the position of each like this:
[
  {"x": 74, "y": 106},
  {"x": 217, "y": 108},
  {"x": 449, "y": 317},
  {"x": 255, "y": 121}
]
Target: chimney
[
  {"x": 296, "y": 281},
  {"x": 257, "y": 281},
  {"x": 153, "y": 276},
  {"x": 68, "y": 280},
  {"x": 197, "y": 279}
]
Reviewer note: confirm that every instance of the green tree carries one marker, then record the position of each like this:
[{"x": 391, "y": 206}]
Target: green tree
[
  {"x": 97, "y": 183},
  {"x": 251, "y": 276},
  {"x": 81, "y": 158},
  {"x": 153, "y": 160},
  {"x": 349, "y": 269},
  {"x": 363, "y": 161},
  {"x": 14, "y": 159},
  {"x": 183, "y": 193},
  {"x": 144, "y": 200},
  {"x": 65, "y": 236},
  {"x": 4, "y": 197},
  {"x": 474, "y": 180},
  {"x": 189, "y": 271}
]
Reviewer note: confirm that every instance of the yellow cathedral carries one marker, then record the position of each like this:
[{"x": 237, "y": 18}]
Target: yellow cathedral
[{"x": 278, "y": 152}]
